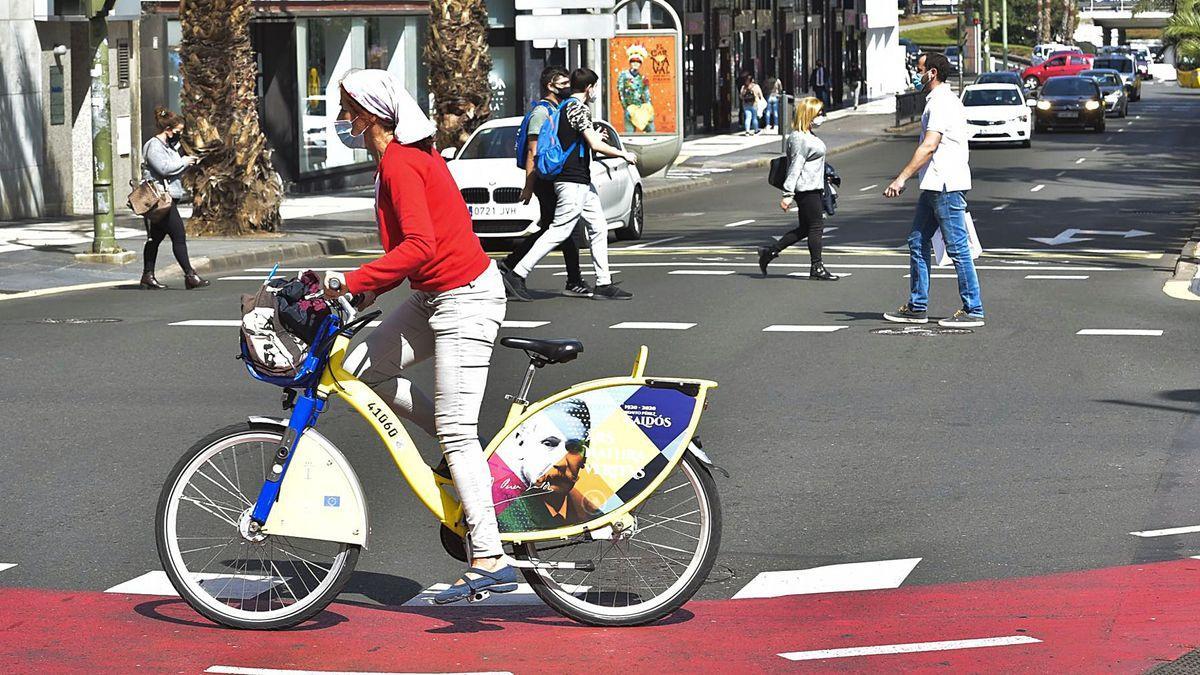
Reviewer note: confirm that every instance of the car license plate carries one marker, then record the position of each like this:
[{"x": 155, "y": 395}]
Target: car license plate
[
  {"x": 1068, "y": 114},
  {"x": 493, "y": 211}
]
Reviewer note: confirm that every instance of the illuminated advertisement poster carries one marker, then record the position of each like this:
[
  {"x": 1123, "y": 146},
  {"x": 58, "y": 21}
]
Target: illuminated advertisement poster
[
  {"x": 587, "y": 455},
  {"x": 642, "y": 84}
]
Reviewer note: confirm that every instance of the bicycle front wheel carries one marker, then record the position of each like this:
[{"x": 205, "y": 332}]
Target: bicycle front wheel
[
  {"x": 646, "y": 566},
  {"x": 225, "y": 571}
]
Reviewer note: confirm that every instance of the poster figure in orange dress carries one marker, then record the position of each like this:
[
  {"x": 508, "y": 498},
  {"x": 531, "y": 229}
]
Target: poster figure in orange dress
[{"x": 634, "y": 90}]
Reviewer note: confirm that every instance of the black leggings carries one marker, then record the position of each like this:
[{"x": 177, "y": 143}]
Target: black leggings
[
  {"x": 812, "y": 225},
  {"x": 570, "y": 249},
  {"x": 170, "y": 225}
]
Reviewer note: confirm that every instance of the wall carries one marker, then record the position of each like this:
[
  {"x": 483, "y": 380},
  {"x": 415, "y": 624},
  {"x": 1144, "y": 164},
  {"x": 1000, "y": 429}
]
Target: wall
[
  {"x": 22, "y": 147},
  {"x": 885, "y": 69}
]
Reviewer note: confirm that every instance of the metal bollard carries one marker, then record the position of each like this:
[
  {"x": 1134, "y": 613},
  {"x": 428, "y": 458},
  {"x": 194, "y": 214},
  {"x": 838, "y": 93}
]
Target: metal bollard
[{"x": 785, "y": 119}]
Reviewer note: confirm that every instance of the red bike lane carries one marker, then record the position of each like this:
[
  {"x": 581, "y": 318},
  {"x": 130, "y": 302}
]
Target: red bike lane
[{"x": 1123, "y": 619}]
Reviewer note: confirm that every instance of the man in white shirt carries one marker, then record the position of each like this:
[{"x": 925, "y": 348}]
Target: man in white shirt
[{"x": 942, "y": 160}]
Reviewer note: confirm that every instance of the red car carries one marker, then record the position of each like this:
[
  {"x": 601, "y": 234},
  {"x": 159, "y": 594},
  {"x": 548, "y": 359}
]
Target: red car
[{"x": 1057, "y": 64}]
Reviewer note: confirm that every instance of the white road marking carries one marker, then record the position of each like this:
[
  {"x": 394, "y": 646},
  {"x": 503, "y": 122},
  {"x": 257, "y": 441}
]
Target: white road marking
[
  {"x": 860, "y": 576},
  {"x": 235, "y": 323},
  {"x": 1081, "y": 160},
  {"x": 784, "y": 328},
  {"x": 937, "y": 276},
  {"x": 1136, "y": 117},
  {"x": 869, "y": 187},
  {"x": 739, "y": 223},
  {"x": 157, "y": 583},
  {"x": 653, "y": 325},
  {"x": 257, "y": 277},
  {"x": 1037, "y": 188},
  {"x": 910, "y": 648},
  {"x": 1060, "y": 174},
  {"x": 1167, "y": 532},
  {"x": 1145, "y": 332},
  {"x": 648, "y": 244},
  {"x": 523, "y": 324},
  {"x": 1120, "y": 131},
  {"x": 240, "y": 670},
  {"x": 1108, "y": 140},
  {"x": 1000, "y": 208},
  {"x": 7, "y": 566},
  {"x": 840, "y": 275},
  {"x": 864, "y": 266},
  {"x": 299, "y": 269},
  {"x": 1060, "y": 277},
  {"x": 1096, "y": 149},
  {"x": 703, "y": 273},
  {"x": 563, "y": 274}
]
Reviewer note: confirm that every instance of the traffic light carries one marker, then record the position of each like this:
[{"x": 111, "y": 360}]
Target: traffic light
[{"x": 995, "y": 19}]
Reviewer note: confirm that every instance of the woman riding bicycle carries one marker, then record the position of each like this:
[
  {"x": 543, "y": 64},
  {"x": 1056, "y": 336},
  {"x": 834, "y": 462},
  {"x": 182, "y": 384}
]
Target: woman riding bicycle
[{"x": 453, "y": 315}]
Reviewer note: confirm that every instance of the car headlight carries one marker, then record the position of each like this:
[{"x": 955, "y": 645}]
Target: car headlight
[
  {"x": 1043, "y": 105},
  {"x": 1091, "y": 105}
]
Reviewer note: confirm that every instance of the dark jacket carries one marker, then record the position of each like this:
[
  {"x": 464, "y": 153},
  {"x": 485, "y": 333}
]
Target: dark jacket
[{"x": 829, "y": 196}]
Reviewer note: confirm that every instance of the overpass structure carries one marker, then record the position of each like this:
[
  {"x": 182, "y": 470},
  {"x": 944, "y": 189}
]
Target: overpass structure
[{"x": 1104, "y": 22}]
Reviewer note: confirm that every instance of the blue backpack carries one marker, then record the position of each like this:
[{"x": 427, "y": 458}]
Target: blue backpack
[
  {"x": 523, "y": 133},
  {"x": 551, "y": 156}
]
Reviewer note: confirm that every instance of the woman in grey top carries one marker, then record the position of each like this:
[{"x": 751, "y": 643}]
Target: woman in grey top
[
  {"x": 804, "y": 186},
  {"x": 162, "y": 162}
]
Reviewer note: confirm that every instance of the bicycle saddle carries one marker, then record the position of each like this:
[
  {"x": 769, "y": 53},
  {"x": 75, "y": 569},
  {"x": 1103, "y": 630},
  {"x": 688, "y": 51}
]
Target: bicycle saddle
[{"x": 548, "y": 351}]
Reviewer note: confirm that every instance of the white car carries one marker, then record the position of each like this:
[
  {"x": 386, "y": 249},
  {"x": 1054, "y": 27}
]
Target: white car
[
  {"x": 486, "y": 172},
  {"x": 1042, "y": 52},
  {"x": 998, "y": 113}
]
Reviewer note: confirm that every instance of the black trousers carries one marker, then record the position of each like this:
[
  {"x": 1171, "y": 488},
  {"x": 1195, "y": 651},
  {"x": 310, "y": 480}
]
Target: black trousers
[
  {"x": 811, "y": 227},
  {"x": 544, "y": 191},
  {"x": 171, "y": 225}
]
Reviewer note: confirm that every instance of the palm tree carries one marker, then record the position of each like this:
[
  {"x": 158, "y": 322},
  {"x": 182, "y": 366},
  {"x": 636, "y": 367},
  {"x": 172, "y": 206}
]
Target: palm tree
[
  {"x": 459, "y": 63},
  {"x": 235, "y": 189},
  {"x": 1183, "y": 32}
]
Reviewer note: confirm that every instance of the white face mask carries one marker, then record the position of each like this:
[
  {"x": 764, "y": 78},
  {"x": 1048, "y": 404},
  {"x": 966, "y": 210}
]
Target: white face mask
[
  {"x": 345, "y": 132},
  {"x": 818, "y": 121}
]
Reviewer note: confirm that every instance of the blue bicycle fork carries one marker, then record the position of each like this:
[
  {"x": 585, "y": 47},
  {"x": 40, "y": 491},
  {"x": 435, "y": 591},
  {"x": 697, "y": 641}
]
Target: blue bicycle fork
[{"x": 304, "y": 415}]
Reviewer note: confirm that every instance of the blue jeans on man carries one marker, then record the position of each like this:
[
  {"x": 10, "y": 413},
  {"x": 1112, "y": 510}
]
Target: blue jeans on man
[{"x": 947, "y": 211}]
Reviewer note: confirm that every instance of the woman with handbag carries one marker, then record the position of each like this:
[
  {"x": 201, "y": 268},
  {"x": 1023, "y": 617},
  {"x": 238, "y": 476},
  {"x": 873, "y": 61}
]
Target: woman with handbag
[
  {"x": 163, "y": 165},
  {"x": 804, "y": 186},
  {"x": 750, "y": 95}
]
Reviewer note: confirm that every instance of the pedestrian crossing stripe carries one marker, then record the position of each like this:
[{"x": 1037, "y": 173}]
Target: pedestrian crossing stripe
[{"x": 7, "y": 566}]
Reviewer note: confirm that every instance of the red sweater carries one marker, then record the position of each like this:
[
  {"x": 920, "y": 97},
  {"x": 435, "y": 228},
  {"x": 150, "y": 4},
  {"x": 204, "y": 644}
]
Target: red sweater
[{"x": 424, "y": 225}]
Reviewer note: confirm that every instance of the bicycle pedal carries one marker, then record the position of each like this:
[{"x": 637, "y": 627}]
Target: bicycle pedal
[{"x": 479, "y": 596}]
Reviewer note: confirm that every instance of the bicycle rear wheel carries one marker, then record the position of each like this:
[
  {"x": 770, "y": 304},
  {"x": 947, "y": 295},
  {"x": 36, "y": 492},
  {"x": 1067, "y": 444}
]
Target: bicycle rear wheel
[
  {"x": 646, "y": 567},
  {"x": 227, "y": 573}
]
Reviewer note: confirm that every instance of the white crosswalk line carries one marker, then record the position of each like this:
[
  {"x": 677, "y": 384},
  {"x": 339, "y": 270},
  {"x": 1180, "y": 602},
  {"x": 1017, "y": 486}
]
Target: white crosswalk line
[
  {"x": 157, "y": 583},
  {"x": 840, "y": 275},
  {"x": 703, "y": 273},
  {"x": 7, "y": 566},
  {"x": 861, "y": 576},
  {"x": 739, "y": 223},
  {"x": 1170, "y": 531},
  {"x": 785, "y": 328},
  {"x": 1058, "y": 277},
  {"x": 910, "y": 648},
  {"x": 646, "y": 245},
  {"x": 523, "y": 324},
  {"x": 1134, "y": 332},
  {"x": 653, "y": 325},
  {"x": 258, "y": 277}
]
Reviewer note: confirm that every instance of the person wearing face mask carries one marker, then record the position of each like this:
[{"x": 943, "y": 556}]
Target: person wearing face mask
[
  {"x": 452, "y": 315},
  {"x": 804, "y": 187},
  {"x": 576, "y": 197},
  {"x": 162, "y": 163}
]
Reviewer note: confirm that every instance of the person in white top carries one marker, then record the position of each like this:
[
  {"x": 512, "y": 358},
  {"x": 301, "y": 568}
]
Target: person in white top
[{"x": 942, "y": 158}]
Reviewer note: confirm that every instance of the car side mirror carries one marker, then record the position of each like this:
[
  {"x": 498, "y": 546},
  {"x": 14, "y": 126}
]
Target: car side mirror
[{"x": 449, "y": 153}]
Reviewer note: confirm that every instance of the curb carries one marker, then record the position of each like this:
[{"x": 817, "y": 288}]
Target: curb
[
  {"x": 1184, "y": 284},
  {"x": 334, "y": 245},
  {"x": 672, "y": 188}
]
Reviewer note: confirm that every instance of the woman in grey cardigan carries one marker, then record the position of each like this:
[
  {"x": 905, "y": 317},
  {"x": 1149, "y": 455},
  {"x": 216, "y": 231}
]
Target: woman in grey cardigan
[
  {"x": 804, "y": 186},
  {"x": 162, "y": 162}
]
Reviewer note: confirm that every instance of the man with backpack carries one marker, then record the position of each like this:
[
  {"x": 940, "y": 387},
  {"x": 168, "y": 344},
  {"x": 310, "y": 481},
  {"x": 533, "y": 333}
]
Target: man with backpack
[
  {"x": 564, "y": 156},
  {"x": 554, "y": 82}
]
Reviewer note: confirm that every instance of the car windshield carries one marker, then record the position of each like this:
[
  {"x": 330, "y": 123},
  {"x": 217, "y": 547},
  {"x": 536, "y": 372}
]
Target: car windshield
[
  {"x": 999, "y": 78},
  {"x": 1120, "y": 65},
  {"x": 492, "y": 143},
  {"x": 1069, "y": 86},
  {"x": 1104, "y": 79},
  {"x": 975, "y": 97}
]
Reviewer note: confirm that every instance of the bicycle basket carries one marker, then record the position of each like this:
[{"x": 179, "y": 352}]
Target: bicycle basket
[{"x": 279, "y": 324}]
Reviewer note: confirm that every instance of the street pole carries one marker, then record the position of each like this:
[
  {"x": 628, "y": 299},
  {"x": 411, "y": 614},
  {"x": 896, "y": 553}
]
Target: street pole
[
  {"x": 1004, "y": 29},
  {"x": 103, "y": 236},
  {"x": 987, "y": 37},
  {"x": 962, "y": 45}
]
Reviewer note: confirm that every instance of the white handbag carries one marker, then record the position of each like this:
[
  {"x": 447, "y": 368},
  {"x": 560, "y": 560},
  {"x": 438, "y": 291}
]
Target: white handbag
[{"x": 941, "y": 258}]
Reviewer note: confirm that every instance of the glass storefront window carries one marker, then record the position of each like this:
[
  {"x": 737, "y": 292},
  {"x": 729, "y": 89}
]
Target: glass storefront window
[
  {"x": 174, "y": 79},
  {"x": 327, "y": 50}
]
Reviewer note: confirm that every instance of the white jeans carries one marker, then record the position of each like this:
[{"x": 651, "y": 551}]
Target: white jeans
[
  {"x": 458, "y": 329},
  {"x": 575, "y": 202}
]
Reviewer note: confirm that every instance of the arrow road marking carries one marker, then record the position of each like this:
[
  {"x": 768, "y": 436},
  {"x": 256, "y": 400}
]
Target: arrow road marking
[
  {"x": 910, "y": 648},
  {"x": 862, "y": 576},
  {"x": 1068, "y": 236},
  {"x": 1167, "y": 532}
]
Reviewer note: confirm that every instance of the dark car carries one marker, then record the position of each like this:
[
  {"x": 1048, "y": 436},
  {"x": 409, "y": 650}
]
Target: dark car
[
  {"x": 1116, "y": 101},
  {"x": 1070, "y": 102},
  {"x": 911, "y": 51},
  {"x": 1000, "y": 77}
]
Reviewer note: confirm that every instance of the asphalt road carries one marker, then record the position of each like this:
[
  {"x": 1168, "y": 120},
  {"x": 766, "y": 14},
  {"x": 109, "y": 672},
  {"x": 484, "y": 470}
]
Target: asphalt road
[{"x": 1020, "y": 449}]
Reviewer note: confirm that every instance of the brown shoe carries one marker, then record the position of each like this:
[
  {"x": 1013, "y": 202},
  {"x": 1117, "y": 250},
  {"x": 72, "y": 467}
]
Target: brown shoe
[
  {"x": 195, "y": 281},
  {"x": 149, "y": 283}
]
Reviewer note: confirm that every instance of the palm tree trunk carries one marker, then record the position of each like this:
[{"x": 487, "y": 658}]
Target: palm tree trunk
[
  {"x": 459, "y": 63},
  {"x": 235, "y": 189}
]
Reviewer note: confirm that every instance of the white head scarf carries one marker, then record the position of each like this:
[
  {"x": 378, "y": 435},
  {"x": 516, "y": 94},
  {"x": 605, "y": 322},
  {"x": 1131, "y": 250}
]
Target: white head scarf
[{"x": 382, "y": 95}]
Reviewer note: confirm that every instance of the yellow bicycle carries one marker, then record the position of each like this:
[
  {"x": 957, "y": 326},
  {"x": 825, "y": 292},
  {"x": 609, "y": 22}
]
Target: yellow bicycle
[{"x": 604, "y": 495}]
